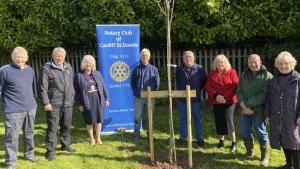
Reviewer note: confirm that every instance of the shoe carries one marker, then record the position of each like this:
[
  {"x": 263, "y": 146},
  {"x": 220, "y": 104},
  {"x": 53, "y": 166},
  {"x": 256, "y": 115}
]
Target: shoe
[
  {"x": 233, "y": 147},
  {"x": 11, "y": 167},
  {"x": 220, "y": 144},
  {"x": 200, "y": 143},
  {"x": 33, "y": 160},
  {"x": 50, "y": 157},
  {"x": 68, "y": 149}
]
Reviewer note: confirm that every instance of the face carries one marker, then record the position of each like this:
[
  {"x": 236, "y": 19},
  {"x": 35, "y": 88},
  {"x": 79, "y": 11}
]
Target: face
[
  {"x": 88, "y": 66},
  {"x": 220, "y": 65},
  {"x": 189, "y": 59},
  {"x": 59, "y": 58},
  {"x": 20, "y": 59},
  {"x": 284, "y": 67},
  {"x": 254, "y": 63},
  {"x": 145, "y": 58}
]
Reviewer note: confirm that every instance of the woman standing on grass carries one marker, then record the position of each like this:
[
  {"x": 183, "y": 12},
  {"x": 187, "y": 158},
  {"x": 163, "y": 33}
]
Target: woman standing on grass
[
  {"x": 221, "y": 88},
  {"x": 282, "y": 110},
  {"x": 91, "y": 95}
]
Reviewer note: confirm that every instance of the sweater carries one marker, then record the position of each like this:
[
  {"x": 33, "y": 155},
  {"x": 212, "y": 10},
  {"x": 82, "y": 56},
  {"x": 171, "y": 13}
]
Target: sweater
[{"x": 16, "y": 88}]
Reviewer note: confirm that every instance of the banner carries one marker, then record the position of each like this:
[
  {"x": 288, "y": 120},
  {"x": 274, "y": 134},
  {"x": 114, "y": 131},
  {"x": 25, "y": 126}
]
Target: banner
[{"x": 118, "y": 53}]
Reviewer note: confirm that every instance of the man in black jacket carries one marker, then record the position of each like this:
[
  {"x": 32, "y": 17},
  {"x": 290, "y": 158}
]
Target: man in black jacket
[{"x": 57, "y": 94}]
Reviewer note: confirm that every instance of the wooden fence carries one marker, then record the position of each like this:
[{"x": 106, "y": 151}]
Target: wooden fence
[{"x": 158, "y": 58}]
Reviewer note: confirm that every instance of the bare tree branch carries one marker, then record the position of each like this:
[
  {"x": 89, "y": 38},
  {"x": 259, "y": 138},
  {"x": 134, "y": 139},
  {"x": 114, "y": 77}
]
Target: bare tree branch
[
  {"x": 160, "y": 7},
  {"x": 171, "y": 12}
]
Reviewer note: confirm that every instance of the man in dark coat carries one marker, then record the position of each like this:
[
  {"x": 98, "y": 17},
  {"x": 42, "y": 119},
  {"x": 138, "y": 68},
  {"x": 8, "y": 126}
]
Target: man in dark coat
[
  {"x": 194, "y": 75},
  {"x": 57, "y": 95}
]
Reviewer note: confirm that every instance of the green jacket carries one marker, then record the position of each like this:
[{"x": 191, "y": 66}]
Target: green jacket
[{"x": 252, "y": 89}]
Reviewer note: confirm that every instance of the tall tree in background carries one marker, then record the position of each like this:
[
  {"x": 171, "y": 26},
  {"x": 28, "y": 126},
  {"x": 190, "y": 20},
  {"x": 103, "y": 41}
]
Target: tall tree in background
[{"x": 167, "y": 8}]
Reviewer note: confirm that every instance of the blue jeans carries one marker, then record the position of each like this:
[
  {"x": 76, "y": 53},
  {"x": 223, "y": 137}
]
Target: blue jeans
[
  {"x": 13, "y": 123},
  {"x": 139, "y": 104},
  {"x": 257, "y": 122},
  {"x": 196, "y": 115}
]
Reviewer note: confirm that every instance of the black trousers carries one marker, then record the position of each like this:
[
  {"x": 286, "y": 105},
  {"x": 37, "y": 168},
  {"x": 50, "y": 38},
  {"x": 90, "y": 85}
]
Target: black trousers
[
  {"x": 292, "y": 158},
  {"x": 223, "y": 114},
  {"x": 59, "y": 117}
]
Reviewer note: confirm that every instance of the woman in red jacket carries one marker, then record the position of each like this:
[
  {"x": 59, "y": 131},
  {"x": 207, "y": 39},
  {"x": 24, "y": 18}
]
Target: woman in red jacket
[{"x": 221, "y": 88}]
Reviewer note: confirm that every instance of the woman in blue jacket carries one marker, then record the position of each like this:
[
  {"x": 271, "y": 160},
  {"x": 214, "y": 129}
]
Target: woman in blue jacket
[{"x": 91, "y": 95}]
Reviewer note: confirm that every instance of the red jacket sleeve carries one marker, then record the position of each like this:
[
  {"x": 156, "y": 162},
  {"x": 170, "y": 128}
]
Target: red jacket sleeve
[{"x": 235, "y": 80}]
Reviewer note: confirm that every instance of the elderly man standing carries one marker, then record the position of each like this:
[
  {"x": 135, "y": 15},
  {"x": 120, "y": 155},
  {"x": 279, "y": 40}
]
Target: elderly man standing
[
  {"x": 251, "y": 93},
  {"x": 19, "y": 106},
  {"x": 57, "y": 94},
  {"x": 143, "y": 75},
  {"x": 194, "y": 75}
]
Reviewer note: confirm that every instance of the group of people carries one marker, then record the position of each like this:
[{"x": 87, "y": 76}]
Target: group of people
[
  {"x": 262, "y": 100},
  {"x": 58, "y": 90}
]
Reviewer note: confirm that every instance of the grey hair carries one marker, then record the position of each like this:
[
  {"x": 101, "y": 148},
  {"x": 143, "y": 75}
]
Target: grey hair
[
  {"x": 285, "y": 57},
  {"x": 19, "y": 50},
  {"x": 145, "y": 50},
  {"x": 88, "y": 58},
  {"x": 59, "y": 49},
  {"x": 188, "y": 52},
  {"x": 221, "y": 57}
]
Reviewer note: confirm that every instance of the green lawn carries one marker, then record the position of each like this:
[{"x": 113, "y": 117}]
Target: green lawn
[{"x": 115, "y": 154}]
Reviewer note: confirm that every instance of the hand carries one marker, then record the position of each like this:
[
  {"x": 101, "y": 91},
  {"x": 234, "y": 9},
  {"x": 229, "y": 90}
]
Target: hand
[
  {"x": 106, "y": 102},
  {"x": 80, "y": 108},
  {"x": 248, "y": 111},
  {"x": 220, "y": 99},
  {"x": 48, "y": 107},
  {"x": 298, "y": 121},
  {"x": 267, "y": 121}
]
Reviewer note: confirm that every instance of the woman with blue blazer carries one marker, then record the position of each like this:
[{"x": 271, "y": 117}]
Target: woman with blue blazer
[{"x": 91, "y": 96}]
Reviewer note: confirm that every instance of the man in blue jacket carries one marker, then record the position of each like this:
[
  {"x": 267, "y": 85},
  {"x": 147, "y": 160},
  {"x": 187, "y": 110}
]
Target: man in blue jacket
[
  {"x": 19, "y": 106},
  {"x": 143, "y": 75},
  {"x": 194, "y": 75}
]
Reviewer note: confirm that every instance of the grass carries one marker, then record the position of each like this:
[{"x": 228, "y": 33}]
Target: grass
[{"x": 115, "y": 155}]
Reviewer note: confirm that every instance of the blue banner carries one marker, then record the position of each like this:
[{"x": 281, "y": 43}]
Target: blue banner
[{"x": 118, "y": 53}]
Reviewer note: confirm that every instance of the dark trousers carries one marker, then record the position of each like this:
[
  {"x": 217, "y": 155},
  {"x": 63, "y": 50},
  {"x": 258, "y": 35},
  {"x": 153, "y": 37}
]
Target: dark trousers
[
  {"x": 59, "y": 117},
  {"x": 13, "y": 123},
  {"x": 223, "y": 114},
  {"x": 292, "y": 158}
]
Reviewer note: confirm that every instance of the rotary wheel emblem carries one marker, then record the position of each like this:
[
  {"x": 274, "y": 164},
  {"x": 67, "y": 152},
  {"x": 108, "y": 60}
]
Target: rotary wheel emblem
[{"x": 119, "y": 71}]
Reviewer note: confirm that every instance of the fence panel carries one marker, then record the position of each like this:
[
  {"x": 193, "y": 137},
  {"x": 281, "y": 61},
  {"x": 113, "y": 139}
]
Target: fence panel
[{"x": 158, "y": 58}]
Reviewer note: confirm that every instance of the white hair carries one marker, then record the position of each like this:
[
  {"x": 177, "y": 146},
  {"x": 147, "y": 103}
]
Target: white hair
[
  {"x": 285, "y": 57},
  {"x": 19, "y": 50},
  {"x": 58, "y": 49},
  {"x": 88, "y": 58},
  {"x": 145, "y": 50}
]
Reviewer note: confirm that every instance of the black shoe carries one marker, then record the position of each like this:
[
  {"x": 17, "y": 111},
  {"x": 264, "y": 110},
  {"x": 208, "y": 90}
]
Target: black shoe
[
  {"x": 220, "y": 144},
  {"x": 68, "y": 149},
  {"x": 33, "y": 160},
  {"x": 233, "y": 147},
  {"x": 50, "y": 157},
  {"x": 200, "y": 143}
]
